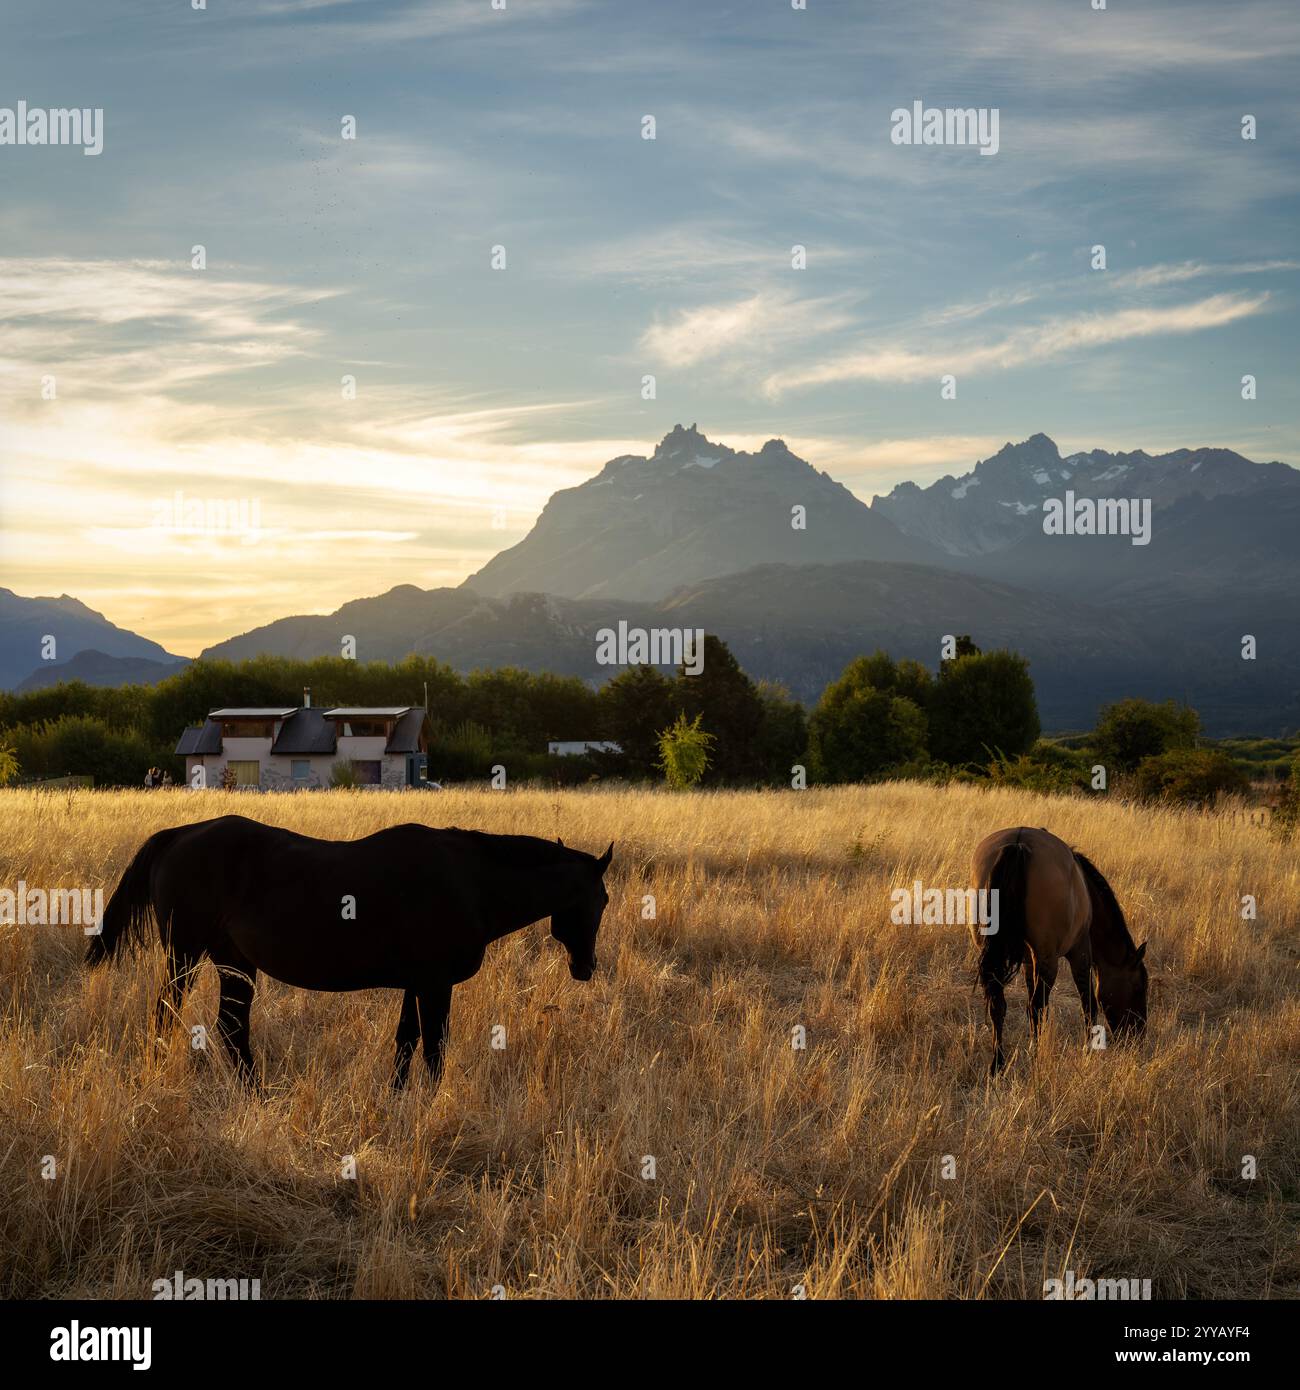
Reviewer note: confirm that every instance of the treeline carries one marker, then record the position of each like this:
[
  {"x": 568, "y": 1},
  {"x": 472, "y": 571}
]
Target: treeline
[
  {"x": 504, "y": 716},
  {"x": 975, "y": 718}
]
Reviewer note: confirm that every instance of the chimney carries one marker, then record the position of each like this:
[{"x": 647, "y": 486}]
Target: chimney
[{"x": 306, "y": 697}]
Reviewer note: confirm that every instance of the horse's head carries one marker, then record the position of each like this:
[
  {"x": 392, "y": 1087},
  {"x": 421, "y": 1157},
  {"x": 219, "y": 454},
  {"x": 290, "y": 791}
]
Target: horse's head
[
  {"x": 575, "y": 926},
  {"x": 1124, "y": 995}
]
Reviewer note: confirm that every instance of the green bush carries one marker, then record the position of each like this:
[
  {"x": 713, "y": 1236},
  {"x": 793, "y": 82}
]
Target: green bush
[
  {"x": 1286, "y": 814},
  {"x": 1129, "y": 731},
  {"x": 84, "y": 746},
  {"x": 1189, "y": 776},
  {"x": 1047, "y": 767},
  {"x": 343, "y": 774},
  {"x": 684, "y": 750}
]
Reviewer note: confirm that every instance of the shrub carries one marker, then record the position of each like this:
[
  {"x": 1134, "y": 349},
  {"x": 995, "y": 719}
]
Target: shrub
[
  {"x": 1189, "y": 776},
  {"x": 343, "y": 774},
  {"x": 1046, "y": 768},
  {"x": 684, "y": 752},
  {"x": 1131, "y": 730},
  {"x": 79, "y": 745}
]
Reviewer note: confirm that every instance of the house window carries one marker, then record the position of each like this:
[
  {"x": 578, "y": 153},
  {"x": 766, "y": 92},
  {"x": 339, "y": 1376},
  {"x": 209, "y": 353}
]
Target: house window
[
  {"x": 367, "y": 728},
  {"x": 300, "y": 769},
  {"x": 248, "y": 771},
  {"x": 367, "y": 770}
]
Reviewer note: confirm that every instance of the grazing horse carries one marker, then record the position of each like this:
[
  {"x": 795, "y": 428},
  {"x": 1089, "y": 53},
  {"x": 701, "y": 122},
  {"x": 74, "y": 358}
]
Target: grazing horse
[
  {"x": 1053, "y": 903},
  {"x": 409, "y": 908}
]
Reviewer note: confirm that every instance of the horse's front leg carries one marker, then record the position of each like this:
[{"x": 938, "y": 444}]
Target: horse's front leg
[
  {"x": 1085, "y": 979},
  {"x": 408, "y": 1031},
  {"x": 435, "y": 1012}
]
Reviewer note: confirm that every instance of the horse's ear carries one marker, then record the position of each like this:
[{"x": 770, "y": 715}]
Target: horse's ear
[
  {"x": 604, "y": 859},
  {"x": 559, "y": 842},
  {"x": 1141, "y": 951}
]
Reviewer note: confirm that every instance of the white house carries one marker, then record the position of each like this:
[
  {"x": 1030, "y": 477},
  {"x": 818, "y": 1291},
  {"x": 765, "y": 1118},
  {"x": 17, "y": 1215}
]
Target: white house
[{"x": 292, "y": 748}]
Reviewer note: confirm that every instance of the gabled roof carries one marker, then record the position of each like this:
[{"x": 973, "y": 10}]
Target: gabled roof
[
  {"x": 305, "y": 731},
  {"x": 406, "y": 733},
  {"x": 367, "y": 712},
  {"x": 196, "y": 742},
  {"x": 251, "y": 713}
]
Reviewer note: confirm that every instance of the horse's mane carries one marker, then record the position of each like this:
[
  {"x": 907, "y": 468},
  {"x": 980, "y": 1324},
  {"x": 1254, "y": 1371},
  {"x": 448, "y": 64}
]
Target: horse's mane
[{"x": 1097, "y": 885}]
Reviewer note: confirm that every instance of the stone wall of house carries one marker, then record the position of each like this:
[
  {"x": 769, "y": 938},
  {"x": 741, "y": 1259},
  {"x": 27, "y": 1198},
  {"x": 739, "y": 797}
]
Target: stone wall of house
[{"x": 275, "y": 774}]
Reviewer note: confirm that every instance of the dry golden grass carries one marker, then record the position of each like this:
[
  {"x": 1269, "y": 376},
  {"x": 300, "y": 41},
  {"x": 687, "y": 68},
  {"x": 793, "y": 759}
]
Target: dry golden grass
[{"x": 776, "y": 1168}]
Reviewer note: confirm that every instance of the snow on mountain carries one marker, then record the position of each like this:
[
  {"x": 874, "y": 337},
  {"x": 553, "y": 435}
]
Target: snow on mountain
[{"x": 985, "y": 511}]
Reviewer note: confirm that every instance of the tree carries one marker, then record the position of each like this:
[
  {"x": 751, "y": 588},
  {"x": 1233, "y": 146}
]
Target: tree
[
  {"x": 859, "y": 730},
  {"x": 8, "y": 764},
  {"x": 632, "y": 710},
  {"x": 684, "y": 752},
  {"x": 983, "y": 704},
  {"x": 906, "y": 678},
  {"x": 1189, "y": 776},
  {"x": 727, "y": 702},
  {"x": 1130, "y": 730},
  {"x": 82, "y": 746},
  {"x": 783, "y": 736}
]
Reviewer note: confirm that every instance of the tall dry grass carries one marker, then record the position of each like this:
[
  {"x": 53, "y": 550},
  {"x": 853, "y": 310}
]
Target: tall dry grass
[{"x": 777, "y": 1169}]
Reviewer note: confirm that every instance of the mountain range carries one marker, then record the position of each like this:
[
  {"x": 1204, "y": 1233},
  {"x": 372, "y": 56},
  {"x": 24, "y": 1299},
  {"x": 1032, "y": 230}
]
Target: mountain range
[
  {"x": 26, "y": 624},
  {"x": 999, "y": 502},
  {"x": 798, "y": 575},
  {"x": 693, "y": 510}
]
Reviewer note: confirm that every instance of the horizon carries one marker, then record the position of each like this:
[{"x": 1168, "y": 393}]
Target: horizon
[
  {"x": 480, "y": 392},
  {"x": 750, "y": 448}
]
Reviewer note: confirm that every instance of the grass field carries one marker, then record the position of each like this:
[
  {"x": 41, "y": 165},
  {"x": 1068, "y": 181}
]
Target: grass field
[{"x": 777, "y": 1169}]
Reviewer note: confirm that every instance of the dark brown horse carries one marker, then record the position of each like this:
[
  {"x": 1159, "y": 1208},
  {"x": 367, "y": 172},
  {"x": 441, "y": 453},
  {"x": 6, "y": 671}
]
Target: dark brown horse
[
  {"x": 1053, "y": 903},
  {"x": 408, "y": 908}
]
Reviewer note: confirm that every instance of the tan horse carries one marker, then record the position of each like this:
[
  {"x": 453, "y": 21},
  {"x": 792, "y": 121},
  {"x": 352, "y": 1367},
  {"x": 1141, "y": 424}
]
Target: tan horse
[{"x": 1052, "y": 903}]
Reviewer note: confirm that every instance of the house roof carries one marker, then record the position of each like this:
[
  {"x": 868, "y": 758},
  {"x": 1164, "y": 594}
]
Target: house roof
[
  {"x": 250, "y": 713},
  {"x": 406, "y": 733},
  {"x": 367, "y": 712},
  {"x": 201, "y": 739},
  {"x": 305, "y": 731}
]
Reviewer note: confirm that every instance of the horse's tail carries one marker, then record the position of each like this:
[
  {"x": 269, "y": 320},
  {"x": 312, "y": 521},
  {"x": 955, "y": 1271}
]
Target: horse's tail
[
  {"x": 129, "y": 909},
  {"x": 1003, "y": 951}
]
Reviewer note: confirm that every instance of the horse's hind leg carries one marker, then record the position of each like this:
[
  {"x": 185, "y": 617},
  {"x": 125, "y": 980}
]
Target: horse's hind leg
[
  {"x": 1040, "y": 976},
  {"x": 171, "y": 997},
  {"x": 408, "y": 1031},
  {"x": 238, "y": 984},
  {"x": 1085, "y": 978},
  {"x": 997, "y": 1007}
]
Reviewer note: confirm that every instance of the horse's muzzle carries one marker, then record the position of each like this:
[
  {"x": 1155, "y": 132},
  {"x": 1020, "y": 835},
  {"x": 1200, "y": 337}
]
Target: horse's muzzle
[{"x": 582, "y": 972}]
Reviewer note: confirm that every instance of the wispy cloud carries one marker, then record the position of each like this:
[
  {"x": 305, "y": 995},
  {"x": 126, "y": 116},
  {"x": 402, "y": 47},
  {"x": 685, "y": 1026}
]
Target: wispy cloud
[
  {"x": 108, "y": 326},
  {"x": 743, "y": 329},
  {"x": 1038, "y": 342},
  {"x": 1151, "y": 277}
]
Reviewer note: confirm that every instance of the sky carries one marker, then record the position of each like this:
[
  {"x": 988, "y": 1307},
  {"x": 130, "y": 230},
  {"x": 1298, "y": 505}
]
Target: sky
[{"x": 480, "y": 391}]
